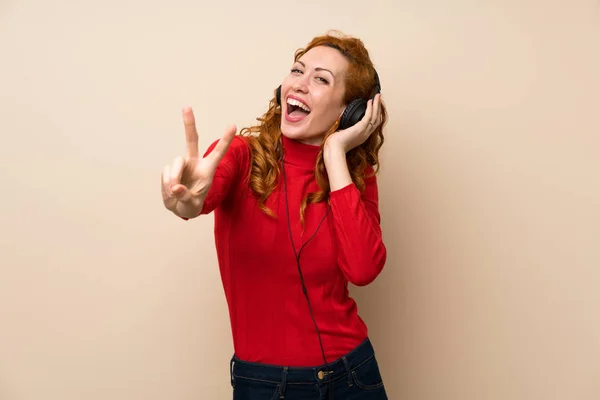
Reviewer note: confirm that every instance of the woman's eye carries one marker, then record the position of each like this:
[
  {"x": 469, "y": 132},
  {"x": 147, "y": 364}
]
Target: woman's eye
[{"x": 298, "y": 71}]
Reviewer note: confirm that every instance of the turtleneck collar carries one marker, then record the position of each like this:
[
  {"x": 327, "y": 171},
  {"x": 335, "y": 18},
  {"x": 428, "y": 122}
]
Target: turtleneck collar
[{"x": 299, "y": 154}]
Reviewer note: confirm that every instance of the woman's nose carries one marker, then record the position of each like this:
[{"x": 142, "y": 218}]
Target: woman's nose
[
  {"x": 300, "y": 85},
  {"x": 299, "y": 88}
]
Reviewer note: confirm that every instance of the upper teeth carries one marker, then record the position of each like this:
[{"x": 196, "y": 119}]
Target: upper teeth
[{"x": 297, "y": 103}]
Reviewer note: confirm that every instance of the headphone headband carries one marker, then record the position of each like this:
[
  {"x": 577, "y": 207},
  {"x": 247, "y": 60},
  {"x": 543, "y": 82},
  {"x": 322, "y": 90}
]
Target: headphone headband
[{"x": 377, "y": 83}]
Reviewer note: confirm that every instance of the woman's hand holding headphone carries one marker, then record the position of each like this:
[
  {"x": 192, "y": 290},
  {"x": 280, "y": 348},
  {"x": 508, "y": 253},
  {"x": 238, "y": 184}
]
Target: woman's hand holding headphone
[
  {"x": 356, "y": 135},
  {"x": 186, "y": 182}
]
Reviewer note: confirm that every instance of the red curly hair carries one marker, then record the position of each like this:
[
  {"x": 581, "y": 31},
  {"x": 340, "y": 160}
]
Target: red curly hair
[{"x": 265, "y": 137}]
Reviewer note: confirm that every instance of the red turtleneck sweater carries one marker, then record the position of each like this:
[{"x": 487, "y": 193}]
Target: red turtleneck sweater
[{"x": 270, "y": 318}]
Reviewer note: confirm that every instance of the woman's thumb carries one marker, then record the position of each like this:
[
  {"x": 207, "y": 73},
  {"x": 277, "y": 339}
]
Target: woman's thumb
[{"x": 181, "y": 192}]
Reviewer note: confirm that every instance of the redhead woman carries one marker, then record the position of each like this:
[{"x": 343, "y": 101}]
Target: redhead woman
[{"x": 295, "y": 204}]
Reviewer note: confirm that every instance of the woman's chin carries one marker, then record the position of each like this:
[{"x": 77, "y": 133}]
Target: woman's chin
[
  {"x": 301, "y": 133},
  {"x": 314, "y": 140}
]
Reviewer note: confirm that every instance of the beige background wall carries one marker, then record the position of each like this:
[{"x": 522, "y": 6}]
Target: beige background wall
[{"x": 489, "y": 192}]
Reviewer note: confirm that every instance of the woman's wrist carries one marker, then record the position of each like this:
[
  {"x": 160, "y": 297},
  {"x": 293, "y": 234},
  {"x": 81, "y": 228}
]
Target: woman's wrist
[{"x": 334, "y": 158}]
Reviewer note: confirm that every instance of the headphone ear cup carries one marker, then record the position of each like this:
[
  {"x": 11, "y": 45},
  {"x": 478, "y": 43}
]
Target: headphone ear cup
[
  {"x": 353, "y": 113},
  {"x": 278, "y": 95}
]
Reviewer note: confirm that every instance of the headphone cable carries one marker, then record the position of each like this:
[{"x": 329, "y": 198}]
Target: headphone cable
[{"x": 298, "y": 254}]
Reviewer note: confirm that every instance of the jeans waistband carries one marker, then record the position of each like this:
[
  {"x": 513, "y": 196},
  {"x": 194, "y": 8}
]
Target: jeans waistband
[{"x": 338, "y": 369}]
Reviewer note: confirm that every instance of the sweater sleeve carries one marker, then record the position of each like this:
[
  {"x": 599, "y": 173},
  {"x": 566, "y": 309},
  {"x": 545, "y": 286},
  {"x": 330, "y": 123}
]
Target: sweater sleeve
[
  {"x": 228, "y": 171},
  {"x": 362, "y": 253}
]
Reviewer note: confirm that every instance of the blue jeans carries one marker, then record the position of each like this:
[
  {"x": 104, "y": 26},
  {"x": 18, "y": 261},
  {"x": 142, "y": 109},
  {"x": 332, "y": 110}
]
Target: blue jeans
[{"x": 354, "y": 376}]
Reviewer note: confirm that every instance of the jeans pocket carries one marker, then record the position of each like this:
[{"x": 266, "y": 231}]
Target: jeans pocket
[
  {"x": 251, "y": 389},
  {"x": 367, "y": 376},
  {"x": 277, "y": 393}
]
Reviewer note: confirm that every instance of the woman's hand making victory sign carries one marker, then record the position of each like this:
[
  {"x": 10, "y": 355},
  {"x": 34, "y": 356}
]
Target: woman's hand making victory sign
[{"x": 186, "y": 182}]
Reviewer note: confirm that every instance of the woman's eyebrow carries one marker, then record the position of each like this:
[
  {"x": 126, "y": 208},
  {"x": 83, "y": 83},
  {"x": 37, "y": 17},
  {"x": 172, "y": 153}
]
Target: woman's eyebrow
[{"x": 318, "y": 68}]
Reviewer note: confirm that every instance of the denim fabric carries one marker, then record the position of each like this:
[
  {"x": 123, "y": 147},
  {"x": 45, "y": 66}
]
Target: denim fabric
[{"x": 354, "y": 376}]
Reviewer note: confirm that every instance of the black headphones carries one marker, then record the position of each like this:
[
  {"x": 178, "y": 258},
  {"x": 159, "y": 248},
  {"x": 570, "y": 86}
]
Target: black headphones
[{"x": 354, "y": 111}]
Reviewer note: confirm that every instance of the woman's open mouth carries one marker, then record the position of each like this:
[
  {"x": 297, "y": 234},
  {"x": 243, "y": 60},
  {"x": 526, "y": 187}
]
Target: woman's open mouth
[{"x": 296, "y": 110}]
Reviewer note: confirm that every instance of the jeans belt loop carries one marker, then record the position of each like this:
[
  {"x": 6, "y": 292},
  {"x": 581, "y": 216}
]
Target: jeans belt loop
[
  {"x": 283, "y": 382},
  {"x": 350, "y": 383},
  {"x": 231, "y": 366}
]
